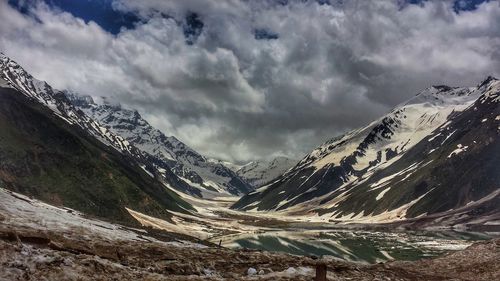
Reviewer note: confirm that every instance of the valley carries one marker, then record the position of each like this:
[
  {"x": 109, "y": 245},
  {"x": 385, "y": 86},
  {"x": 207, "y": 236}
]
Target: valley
[
  {"x": 93, "y": 188},
  {"x": 41, "y": 241}
]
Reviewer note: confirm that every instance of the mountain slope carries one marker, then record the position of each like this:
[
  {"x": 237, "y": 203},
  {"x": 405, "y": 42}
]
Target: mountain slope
[
  {"x": 258, "y": 173},
  {"x": 204, "y": 176},
  {"x": 435, "y": 153},
  {"x": 54, "y": 100},
  {"x": 53, "y": 152}
]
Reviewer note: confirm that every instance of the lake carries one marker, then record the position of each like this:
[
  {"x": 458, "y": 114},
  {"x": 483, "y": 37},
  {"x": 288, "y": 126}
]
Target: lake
[{"x": 361, "y": 246}]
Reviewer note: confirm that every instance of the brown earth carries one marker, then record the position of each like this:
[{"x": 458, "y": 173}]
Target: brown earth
[{"x": 30, "y": 254}]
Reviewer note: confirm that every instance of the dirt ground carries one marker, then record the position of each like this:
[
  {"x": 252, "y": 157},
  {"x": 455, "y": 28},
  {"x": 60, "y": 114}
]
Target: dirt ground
[{"x": 28, "y": 254}]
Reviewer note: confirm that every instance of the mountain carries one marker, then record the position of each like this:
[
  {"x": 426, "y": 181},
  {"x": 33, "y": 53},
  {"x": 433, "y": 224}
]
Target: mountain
[
  {"x": 52, "y": 151},
  {"x": 205, "y": 177},
  {"x": 258, "y": 173},
  {"x": 234, "y": 167},
  {"x": 434, "y": 154}
]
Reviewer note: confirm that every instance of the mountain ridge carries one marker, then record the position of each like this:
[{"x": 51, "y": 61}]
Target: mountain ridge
[
  {"x": 53, "y": 151},
  {"x": 205, "y": 176},
  {"x": 324, "y": 182},
  {"x": 258, "y": 173}
]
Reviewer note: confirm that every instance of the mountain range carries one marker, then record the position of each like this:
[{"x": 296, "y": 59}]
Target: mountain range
[
  {"x": 205, "y": 177},
  {"x": 434, "y": 156},
  {"x": 258, "y": 173},
  {"x": 125, "y": 133},
  {"x": 437, "y": 153},
  {"x": 53, "y": 151}
]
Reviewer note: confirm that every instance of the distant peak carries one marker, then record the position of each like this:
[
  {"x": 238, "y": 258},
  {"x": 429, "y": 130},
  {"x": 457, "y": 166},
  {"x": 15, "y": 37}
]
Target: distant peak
[
  {"x": 174, "y": 139},
  {"x": 7, "y": 60},
  {"x": 78, "y": 100},
  {"x": 486, "y": 81},
  {"x": 442, "y": 88},
  {"x": 177, "y": 143},
  {"x": 434, "y": 90}
]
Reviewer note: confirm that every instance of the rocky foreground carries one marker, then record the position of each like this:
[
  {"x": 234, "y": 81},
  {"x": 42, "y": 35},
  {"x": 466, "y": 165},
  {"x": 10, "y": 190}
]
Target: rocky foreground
[
  {"x": 43, "y": 242},
  {"x": 31, "y": 255}
]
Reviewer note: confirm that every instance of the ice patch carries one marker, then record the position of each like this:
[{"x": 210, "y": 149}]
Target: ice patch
[
  {"x": 435, "y": 136},
  {"x": 384, "y": 181},
  {"x": 251, "y": 271},
  {"x": 381, "y": 194},
  {"x": 459, "y": 149},
  {"x": 448, "y": 136}
]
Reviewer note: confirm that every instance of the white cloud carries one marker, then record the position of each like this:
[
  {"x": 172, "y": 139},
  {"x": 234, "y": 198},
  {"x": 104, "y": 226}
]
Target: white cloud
[{"x": 235, "y": 97}]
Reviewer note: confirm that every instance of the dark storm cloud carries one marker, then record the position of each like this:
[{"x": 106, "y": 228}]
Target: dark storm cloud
[{"x": 254, "y": 79}]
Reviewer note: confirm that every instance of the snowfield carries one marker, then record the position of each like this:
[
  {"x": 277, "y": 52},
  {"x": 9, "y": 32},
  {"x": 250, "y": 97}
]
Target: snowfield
[{"x": 20, "y": 211}]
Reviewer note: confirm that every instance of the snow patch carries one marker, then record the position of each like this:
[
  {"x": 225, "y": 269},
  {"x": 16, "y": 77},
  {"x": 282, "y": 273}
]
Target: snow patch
[
  {"x": 381, "y": 194},
  {"x": 460, "y": 149},
  {"x": 22, "y": 211}
]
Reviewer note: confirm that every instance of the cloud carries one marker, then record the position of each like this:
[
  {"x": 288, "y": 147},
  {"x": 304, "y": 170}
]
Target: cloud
[{"x": 234, "y": 95}]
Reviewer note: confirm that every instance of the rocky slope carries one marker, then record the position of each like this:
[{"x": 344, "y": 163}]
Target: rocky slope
[
  {"x": 435, "y": 153},
  {"x": 54, "y": 152},
  {"x": 258, "y": 173},
  {"x": 206, "y": 177},
  {"x": 14, "y": 76}
]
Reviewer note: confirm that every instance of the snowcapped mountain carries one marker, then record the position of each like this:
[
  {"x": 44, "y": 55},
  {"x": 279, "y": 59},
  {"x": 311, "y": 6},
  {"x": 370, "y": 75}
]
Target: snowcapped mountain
[
  {"x": 258, "y": 173},
  {"x": 127, "y": 132},
  {"x": 234, "y": 167},
  {"x": 206, "y": 177},
  {"x": 53, "y": 151},
  {"x": 40, "y": 91},
  {"x": 435, "y": 153}
]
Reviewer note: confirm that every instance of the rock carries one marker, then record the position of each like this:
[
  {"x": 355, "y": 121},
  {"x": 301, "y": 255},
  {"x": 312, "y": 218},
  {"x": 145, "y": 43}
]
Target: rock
[
  {"x": 261, "y": 272},
  {"x": 251, "y": 271},
  {"x": 291, "y": 271},
  {"x": 208, "y": 272}
]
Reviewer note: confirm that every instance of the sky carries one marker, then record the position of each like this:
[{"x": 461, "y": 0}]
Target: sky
[{"x": 243, "y": 80}]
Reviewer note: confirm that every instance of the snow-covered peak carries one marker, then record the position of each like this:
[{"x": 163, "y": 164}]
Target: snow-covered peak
[
  {"x": 381, "y": 171},
  {"x": 394, "y": 133},
  {"x": 441, "y": 96},
  {"x": 180, "y": 147},
  {"x": 58, "y": 103},
  {"x": 126, "y": 131},
  {"x": 21, "y": 80},
  {"x": 486, "y": 82},
  {"x": 79, "y": 100},
  {"x": 168, "y": 152},
  {"x": 234, "y": 167},
  {"x": 491, "y": 87},
  {"x": 259, "y": 173}
]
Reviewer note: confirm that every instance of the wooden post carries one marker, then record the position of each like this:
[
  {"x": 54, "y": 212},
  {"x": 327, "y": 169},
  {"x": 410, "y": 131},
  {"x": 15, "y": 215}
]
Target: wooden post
[{"x": 320, "y": 272}]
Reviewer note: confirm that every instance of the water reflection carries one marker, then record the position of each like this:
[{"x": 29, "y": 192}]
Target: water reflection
[{"x": 361, "y": 246}]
